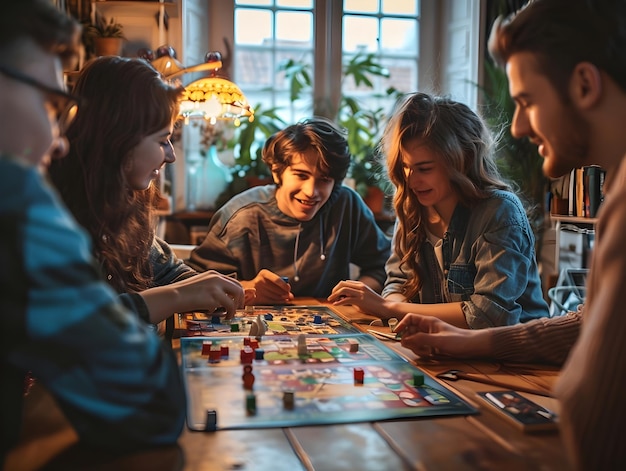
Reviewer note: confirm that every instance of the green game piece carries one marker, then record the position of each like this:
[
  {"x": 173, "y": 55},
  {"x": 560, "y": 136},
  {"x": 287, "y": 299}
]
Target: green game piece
[
  {"x": 251, "y": 404},
  {"x": 418, "y": 379},
  {"x": 234, "y": 327}
]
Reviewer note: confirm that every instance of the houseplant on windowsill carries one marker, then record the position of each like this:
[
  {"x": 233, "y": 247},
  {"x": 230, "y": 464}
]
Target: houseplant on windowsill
[
  {"x": 247, "y": 142},
  {"x": 103, "y": 37}
]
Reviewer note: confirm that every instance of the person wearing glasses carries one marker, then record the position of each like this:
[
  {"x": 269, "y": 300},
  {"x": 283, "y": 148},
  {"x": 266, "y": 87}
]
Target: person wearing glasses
[
  {"x": 119, "y": 143},
  {"x": 463, "y": 247},
  {"x": 116, "y": 384},
  {"x": 298, "y": 236}
]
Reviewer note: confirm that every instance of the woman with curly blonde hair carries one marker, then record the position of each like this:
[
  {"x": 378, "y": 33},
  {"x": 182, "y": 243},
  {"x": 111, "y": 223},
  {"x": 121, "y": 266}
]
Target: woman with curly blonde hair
[{"x": 463, "y": 248}]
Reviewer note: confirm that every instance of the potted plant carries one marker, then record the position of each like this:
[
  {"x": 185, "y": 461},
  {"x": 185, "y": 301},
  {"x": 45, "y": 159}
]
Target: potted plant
[
  {"x": 518, "y": 159},
  {"x": 103, "y": 37},
  {"x": 247, "y": 142}
]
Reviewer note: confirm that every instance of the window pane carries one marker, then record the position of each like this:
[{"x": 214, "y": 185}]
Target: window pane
[
  {"x": 295, "y": 26},
  {"x": 361, "y": 6},
  {"x": 254, "y": 2},
  {"x": 360, "y": 34},
  {"x": 295, "y": 3},
  {"x": 398, "y": 36},
  {"x": 253, "y": 27},
  {"x": 402, "y": 74},
  {"x": 304, "y": 57},
  {"x": 254, "y": 69},
  {"x": 400, "y": 7}
]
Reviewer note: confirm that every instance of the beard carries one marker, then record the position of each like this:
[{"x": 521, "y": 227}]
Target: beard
[{"x": 569, "y": 145}]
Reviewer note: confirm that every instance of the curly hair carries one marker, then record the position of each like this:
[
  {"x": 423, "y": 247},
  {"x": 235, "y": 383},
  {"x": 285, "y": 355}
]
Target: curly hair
[
  {"x": 322, "y": 135},
  {"x": 465, "y": 145},
  {"x": 123, "y": 101}
]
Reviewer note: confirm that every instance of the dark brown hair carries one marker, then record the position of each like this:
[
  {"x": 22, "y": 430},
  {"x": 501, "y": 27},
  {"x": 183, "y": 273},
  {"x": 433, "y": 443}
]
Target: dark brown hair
[
  {"x": 317, "y": 133},
  {"x": 123, "y": 101},
  {"x": 41, "y": 22},
  {"x": 563, "y": 33}
]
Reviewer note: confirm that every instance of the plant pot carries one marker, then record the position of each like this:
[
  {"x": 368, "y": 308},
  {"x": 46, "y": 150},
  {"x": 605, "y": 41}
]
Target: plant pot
[
  {"x": 108, "y": 46},
  {"x": 375, "y": 199}
]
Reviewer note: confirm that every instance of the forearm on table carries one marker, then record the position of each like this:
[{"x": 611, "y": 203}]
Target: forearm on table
[
  {"x": 448, "y": 312},
  {"x": 547, "y": 340}
]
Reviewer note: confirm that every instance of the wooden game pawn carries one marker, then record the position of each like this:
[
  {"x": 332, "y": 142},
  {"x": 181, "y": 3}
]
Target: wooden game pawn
[{"x": 247, "y": 377}]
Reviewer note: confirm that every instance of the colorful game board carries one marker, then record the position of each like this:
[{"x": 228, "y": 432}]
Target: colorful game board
[
  {"x": 305, "y": 380},
  {"x": 278, "y": 320}
]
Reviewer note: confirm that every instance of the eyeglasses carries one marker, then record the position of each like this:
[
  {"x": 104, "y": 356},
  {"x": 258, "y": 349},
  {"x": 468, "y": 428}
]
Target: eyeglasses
[{"x": 65, "y": 104}]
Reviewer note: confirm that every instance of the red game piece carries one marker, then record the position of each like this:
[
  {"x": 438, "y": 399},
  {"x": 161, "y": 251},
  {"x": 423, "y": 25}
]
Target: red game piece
[
  {"x": 246, "y": 340},
  {"x": 247, "y": 377},
  {"x": 215, "y": 354},
  {"x": 254, "y": 344},
  {"x": 246, "y": 355},
  {"x": 224, "y": 351},
  {"x": 206, "y": 347},
  {"x": 359, "y": 375}
]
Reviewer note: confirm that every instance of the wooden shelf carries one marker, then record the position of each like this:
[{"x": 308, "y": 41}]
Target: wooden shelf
[
  {"x": 572, "y": 219},
  {"x": 141, "y": 9}
]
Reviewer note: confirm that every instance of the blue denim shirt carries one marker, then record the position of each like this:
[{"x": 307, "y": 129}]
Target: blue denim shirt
[{"x": 489, "y": 265}]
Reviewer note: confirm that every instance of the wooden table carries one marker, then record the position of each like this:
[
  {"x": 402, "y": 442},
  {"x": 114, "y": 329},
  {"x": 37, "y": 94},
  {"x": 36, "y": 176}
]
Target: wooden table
[{"x": 479, "y": 442}]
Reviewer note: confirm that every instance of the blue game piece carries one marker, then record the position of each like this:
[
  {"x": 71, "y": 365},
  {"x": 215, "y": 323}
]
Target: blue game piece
[
  {"x": 211, "y": 421},
  {"x": 259, "y": 354},
  {"x": 317, "y": 319},
  {"x": 268, "y": 317},
  {"x": 216, "y": 320}
]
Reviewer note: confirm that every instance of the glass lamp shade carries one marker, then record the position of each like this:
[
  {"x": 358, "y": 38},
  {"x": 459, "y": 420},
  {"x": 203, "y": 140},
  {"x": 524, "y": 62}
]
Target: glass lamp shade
[
  {"x": 167, "y": 66},
  {"x": 214, "y": 98}
]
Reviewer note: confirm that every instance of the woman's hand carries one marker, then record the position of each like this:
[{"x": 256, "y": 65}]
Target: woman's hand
[
  {"x": 206, "y": 291},
  {"x": 362, "y": 296}
]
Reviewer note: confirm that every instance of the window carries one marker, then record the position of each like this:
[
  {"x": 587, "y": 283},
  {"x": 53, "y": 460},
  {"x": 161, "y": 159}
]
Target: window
[
  {"x": 268, "y": 32},
  {"x": 388, "y": 29}
]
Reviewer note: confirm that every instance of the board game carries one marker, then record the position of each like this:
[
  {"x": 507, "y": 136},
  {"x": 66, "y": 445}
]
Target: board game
[
  {"x": 284, "y": 381},
  {"x": 276, "y": 320}
]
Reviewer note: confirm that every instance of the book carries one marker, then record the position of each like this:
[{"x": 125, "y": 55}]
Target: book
[
  {"x": 525, "y": 414},
  {"x": 595, "y": 182},
  {"x": 585, "y": 192}
]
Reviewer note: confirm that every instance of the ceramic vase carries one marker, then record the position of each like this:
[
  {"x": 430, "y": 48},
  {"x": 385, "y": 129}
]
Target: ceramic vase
[{"x": 207, "y": 179}]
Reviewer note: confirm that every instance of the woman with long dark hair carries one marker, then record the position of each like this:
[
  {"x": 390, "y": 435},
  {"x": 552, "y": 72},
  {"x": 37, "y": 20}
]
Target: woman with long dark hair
[{"x": 119, "y": 143}]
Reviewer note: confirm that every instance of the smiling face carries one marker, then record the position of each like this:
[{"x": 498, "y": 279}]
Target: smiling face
[
  {"x": 428, "y": 178},
  {"x": 146, "y": 160},
  {"x": 555, "y": 126},
  {"x": 302, "y": 190}
]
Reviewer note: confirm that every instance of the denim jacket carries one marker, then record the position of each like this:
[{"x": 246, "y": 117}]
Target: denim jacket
[{"x": 489, "y": 265}]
